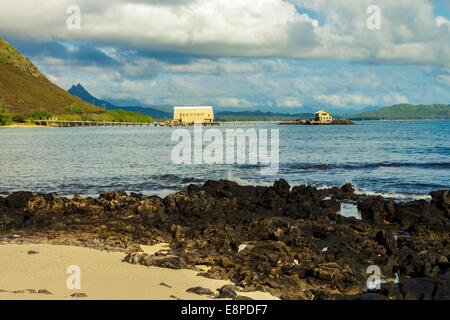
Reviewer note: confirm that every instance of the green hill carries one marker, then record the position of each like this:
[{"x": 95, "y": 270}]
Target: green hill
[
  {"x": 26, "y": 93},
  {"x": 23, "y": 89},
  {"x": 405, "y": 112}
]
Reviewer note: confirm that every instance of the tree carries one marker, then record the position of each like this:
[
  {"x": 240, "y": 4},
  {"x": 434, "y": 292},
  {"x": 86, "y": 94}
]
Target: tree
[
  {"x": 4, "y": 116},
  {"x": 18, "y": 117},
  {"x": 74, "y": 108},
  {"x": 41, "y": 115}
]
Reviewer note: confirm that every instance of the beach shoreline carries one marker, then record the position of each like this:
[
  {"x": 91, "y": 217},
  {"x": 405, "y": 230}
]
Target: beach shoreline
[
  {"x": 23, "y": 126},
  {"x": 39, "y": 272},
  {"x": 290, "y": 242}
]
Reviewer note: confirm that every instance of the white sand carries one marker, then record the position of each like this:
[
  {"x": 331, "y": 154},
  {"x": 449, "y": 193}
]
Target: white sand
[
  {"x": 24, "y": 126},
  {"x": 103, "y": 275}
]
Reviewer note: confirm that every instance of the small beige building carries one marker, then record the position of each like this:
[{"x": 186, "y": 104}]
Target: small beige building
[
  {"x": 190, "y": 115},
  {"x": 323, "y": 116}
]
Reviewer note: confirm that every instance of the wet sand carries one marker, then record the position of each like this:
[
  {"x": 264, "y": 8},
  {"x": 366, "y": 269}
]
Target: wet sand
[
  {"x": 103, "y": 276},
  {"x": 23, "y": 126}
]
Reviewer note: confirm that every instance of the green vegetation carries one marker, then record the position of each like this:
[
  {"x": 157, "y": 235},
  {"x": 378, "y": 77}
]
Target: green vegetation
[
  {"x": 41, "y": 115},
  {"x": 123, "y": 116},
  {"x": 5, "y": 116},
  {"x": 18, "y": 118},
  {"x": 74, "y": 108},
  {"x": 25, "y": 89},
  {"x": 108, "y": 116},
  {"x": 406, "y": 112},
  {"x": 10, "y": 56}
]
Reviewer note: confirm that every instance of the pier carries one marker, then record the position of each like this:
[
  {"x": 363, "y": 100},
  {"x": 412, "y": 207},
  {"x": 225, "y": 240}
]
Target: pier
[
  {"x": 72, "y": 123},
  {"x": 316, "y": 123},
  {"x": 62, "y": 123},
  {"x": 260, "y": 122},
  {"x": 65, "y": 124}
]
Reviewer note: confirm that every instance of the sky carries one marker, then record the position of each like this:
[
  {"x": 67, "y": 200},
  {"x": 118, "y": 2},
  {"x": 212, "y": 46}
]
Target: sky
[{"x": 271, "y": 55}]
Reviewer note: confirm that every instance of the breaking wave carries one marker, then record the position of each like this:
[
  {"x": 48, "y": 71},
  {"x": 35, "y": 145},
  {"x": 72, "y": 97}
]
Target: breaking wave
[{"x": 443, "y": 165}]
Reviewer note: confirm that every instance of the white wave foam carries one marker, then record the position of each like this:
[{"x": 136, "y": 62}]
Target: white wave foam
[
  {"x": 238, "y": 180},
  {"x": 243, "y": 182},
  {"x": 396, "y": 196}
]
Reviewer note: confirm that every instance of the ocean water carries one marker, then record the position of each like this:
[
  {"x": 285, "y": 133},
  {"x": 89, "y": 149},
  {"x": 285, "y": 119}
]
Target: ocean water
[{"x": 404, "y": 160}]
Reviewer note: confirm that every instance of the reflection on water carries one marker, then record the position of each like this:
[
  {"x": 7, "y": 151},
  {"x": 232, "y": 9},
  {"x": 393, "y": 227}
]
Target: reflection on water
[{"x": 349, "y": 210}]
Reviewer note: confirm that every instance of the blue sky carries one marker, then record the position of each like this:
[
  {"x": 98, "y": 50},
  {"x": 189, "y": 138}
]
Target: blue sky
[
  {"x": 441, "y": 8},
  {"x": 277, "y": 55}
]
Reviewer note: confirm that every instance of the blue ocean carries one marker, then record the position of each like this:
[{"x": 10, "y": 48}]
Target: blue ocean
[{"x": 399, "y": 159}]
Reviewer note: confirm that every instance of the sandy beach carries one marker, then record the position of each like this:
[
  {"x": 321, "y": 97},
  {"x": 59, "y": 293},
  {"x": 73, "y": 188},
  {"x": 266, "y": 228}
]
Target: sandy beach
[
  {"x": 23, "y": 126},
  {"x": 288, "y": 241},
  {"x": 30, "y": 268},
  {"x": 103, "y": 276}
]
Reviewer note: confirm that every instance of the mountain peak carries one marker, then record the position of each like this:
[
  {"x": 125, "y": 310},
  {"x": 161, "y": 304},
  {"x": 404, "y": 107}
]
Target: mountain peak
[
  {"x": 79, "y": 91},
  {"x": 78, "y": 88}
]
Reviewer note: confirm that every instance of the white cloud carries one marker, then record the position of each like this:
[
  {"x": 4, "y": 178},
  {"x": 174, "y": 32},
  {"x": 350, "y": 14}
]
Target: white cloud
[
  {"x": 211, "y": 27},
  {"x": 345, "y": 100},
  {"x": 444, "y": 79},
  {"x": 442, "y": 21},
  {"x": 393, "y": 98},
  {"x": 351, "y": 100},
  {"x": 289, "y": 102},
  {"x": 234, "y": 102},
  {"x": 252, "y": 28},
  {"x": 409, "y": 33},
  {"x": 294, "y": 90},
  {"x": 215, "y": 39}
]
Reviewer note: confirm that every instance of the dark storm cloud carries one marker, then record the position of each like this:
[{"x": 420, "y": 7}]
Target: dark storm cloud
[{"x": 75, "y": 53}]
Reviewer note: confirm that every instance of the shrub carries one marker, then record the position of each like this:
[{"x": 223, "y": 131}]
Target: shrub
[
  {"x": 41, "y": 115},
  {"x": 85, "y": 117},
  {"x": 124, "y": 116},
  {"x": 74, "y": 108},
  {"x": 19, "y": 118},
  {"x": 5, "y": 117}
]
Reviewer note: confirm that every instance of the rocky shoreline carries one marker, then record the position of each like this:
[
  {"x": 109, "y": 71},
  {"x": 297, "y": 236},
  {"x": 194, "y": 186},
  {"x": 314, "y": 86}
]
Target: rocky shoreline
[{"x": 290, "y": 242}]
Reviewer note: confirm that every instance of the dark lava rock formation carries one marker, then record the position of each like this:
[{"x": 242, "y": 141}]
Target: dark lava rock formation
[{"x": 290, "y": 242}]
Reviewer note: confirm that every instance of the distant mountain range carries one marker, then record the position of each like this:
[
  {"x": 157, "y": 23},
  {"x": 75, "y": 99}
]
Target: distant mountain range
[
  {"x": 294, "y": 110},
  {"x": 396, "y": 112},
  {"x": 79, "y": 91},
  {"x": 84, "y": 95},
  {"x": 124, "y": 102},
  {"x": 405, "y": 112},
  {"x": 259, "y": 116}
]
